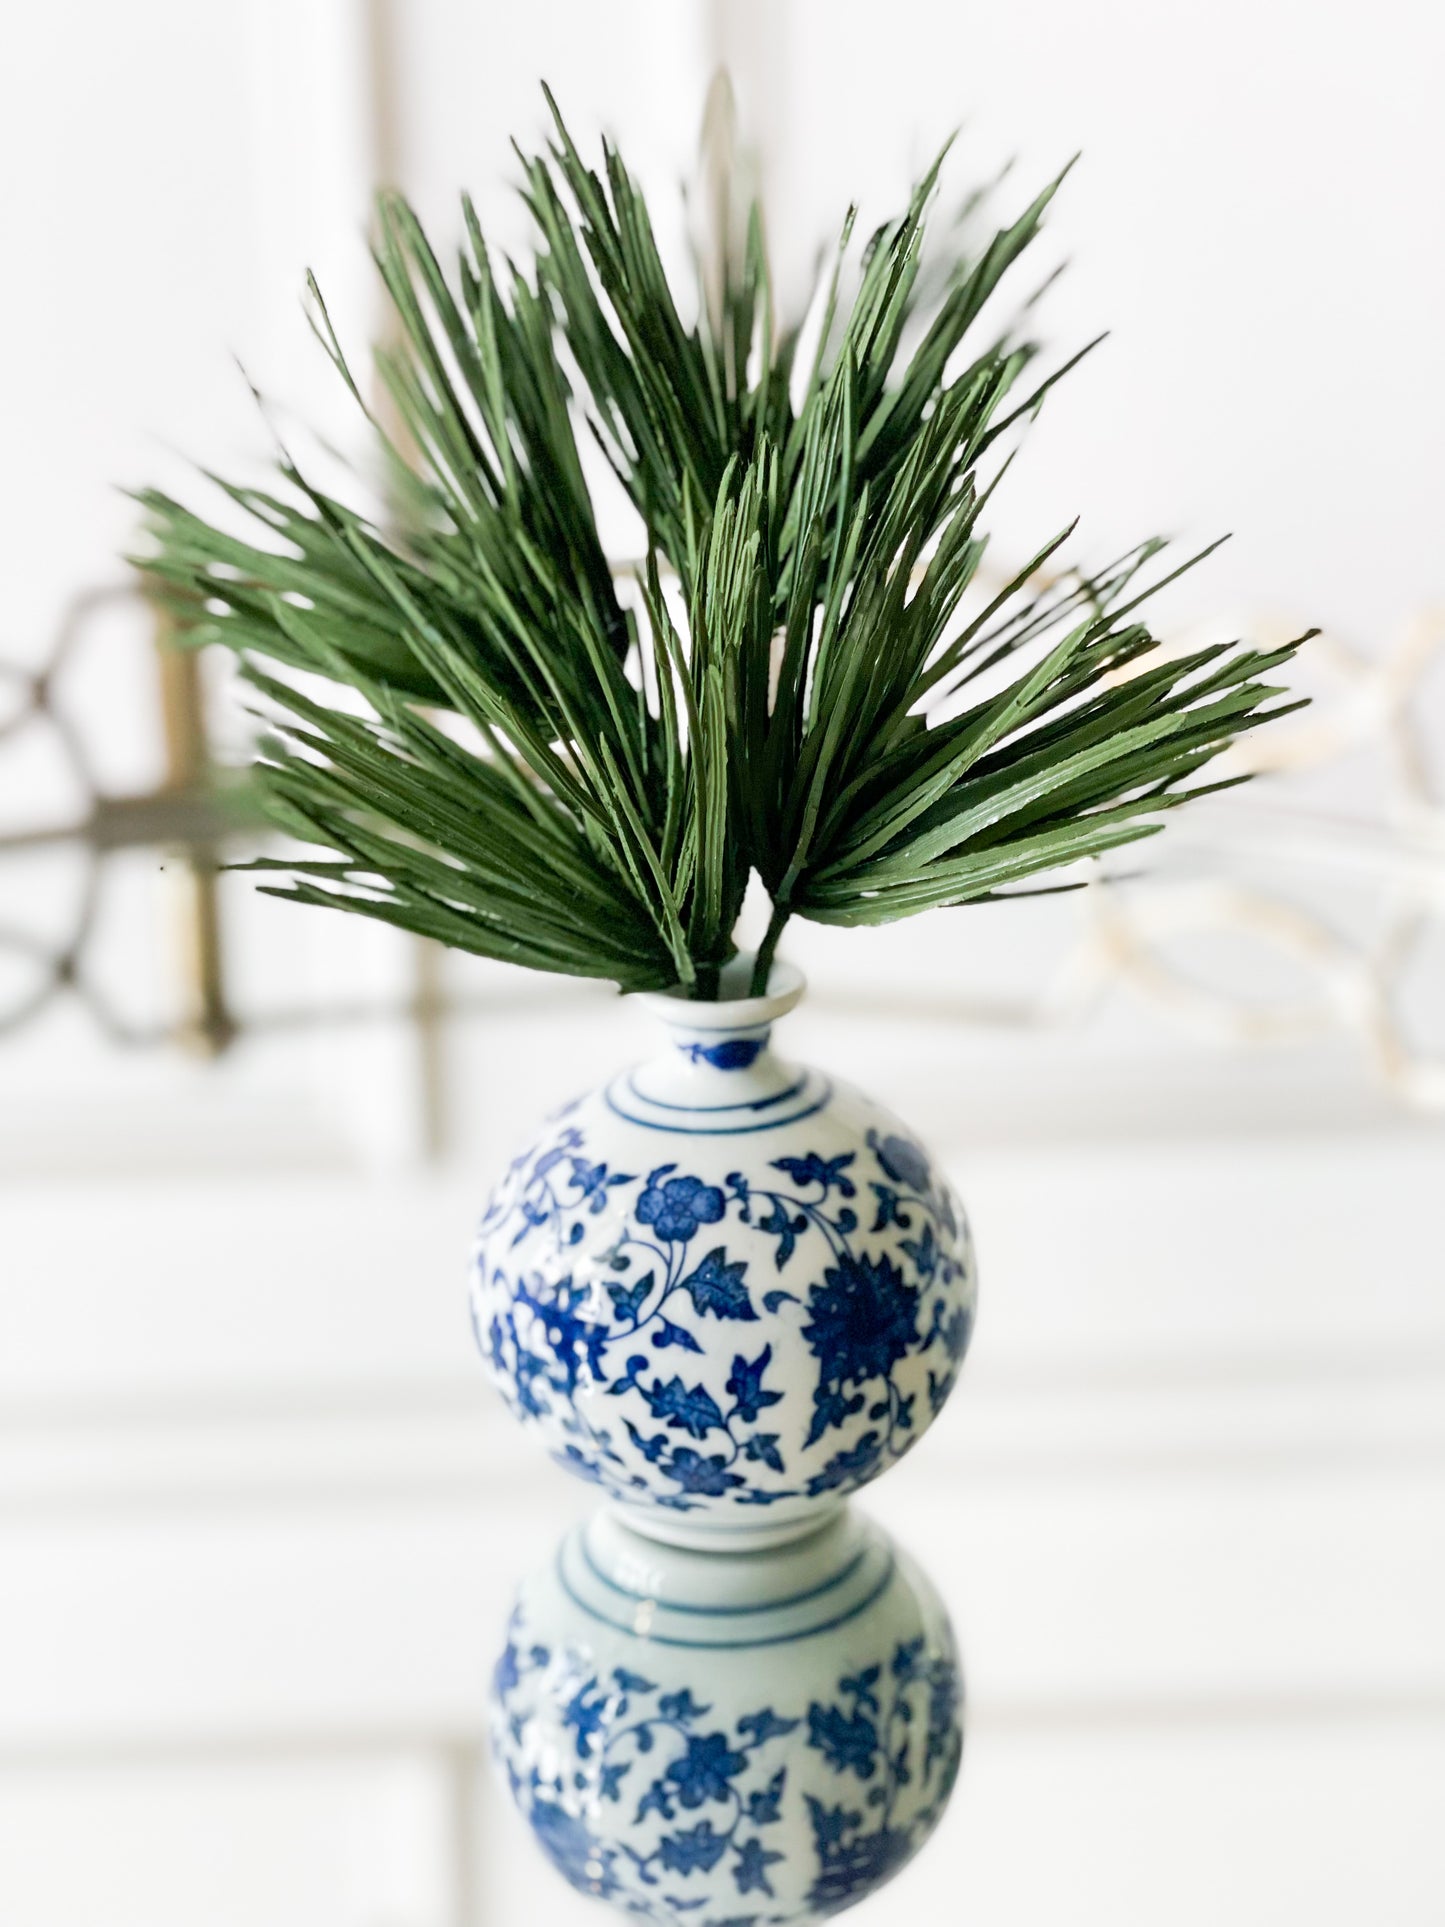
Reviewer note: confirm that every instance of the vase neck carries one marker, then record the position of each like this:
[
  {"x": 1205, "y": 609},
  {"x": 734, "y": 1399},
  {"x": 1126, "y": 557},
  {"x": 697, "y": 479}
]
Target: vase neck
[
  {"x": 718, "y": 1055},
  {"x": 753, "y": 1579}
]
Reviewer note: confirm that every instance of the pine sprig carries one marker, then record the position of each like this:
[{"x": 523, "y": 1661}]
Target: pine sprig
[{"x": 807, "y": 681}]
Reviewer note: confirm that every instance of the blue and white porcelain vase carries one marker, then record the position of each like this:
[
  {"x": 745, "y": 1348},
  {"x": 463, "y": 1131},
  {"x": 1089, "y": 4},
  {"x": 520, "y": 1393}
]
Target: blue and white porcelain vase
[
  {"x": 726, "y": 1288},
  {"x": 729, "y": 1291},
  {"x": 729, "y": 1738}
]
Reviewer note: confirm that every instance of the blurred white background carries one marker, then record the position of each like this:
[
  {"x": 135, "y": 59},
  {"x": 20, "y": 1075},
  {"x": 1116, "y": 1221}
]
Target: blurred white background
[{"x": 258, "y": 1521}]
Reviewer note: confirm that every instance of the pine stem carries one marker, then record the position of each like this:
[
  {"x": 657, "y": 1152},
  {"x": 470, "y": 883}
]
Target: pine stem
[{"x": 767, "y": 950}]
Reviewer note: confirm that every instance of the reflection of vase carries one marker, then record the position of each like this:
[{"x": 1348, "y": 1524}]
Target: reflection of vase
[
  {"x": 724, "y": 1287},
  {"x": 763, "y": 1735}
]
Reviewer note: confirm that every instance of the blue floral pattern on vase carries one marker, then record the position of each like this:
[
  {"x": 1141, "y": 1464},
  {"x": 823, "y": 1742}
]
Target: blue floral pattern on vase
[
  {"x": 703, "y": 1334},
  {"x": 647, "y": 1794}
]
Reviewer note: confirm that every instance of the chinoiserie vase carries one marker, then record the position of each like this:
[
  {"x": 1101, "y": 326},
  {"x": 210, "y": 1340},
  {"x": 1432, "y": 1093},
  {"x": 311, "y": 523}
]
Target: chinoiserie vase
[
  {"x": 729, "y": 1737},
  {"x": 726, "y": 1288}
]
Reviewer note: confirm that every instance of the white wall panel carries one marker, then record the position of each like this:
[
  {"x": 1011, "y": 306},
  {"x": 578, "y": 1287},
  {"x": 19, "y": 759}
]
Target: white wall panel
[{"x": 1249, "y": 219}]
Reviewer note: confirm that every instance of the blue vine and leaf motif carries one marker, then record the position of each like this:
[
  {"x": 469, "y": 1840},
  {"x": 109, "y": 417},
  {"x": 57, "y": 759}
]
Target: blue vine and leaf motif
[
  {"x": 690, "y": 1794},
  {"x": 860, "y": 1318}
]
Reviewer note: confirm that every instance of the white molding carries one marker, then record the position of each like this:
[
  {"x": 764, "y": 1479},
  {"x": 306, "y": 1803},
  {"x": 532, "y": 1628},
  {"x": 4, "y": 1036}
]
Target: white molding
[{"x": 1306, "y": 1415}]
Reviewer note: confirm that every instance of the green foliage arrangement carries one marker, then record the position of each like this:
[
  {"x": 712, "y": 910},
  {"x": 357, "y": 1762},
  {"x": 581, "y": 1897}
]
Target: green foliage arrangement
[{"x": 803, "y": 678}]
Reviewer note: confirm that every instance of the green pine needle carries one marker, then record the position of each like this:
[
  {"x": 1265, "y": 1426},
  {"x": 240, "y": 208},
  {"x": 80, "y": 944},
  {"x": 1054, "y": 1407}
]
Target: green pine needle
[{"x": 805, "y": 679}]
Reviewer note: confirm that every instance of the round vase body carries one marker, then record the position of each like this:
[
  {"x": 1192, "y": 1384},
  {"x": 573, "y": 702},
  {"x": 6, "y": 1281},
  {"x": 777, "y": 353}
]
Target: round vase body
[
  {"x": 723, "y": 1287},
  {"x": 729, "y": 1737}
]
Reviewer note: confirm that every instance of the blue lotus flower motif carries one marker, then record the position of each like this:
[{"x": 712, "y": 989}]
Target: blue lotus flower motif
[
  {"x": 864, "y": 1318},
  {"x": 901, "y": 1158},
  {"x": 706, "y": 1475},
  {"x": 847, "y": 1742},
  {"x": 677, "y": 1208},
  {"x": 705, "y": 1769}
]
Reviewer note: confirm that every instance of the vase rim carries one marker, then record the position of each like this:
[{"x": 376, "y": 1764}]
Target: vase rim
[{"x": 786, "y": 985}]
